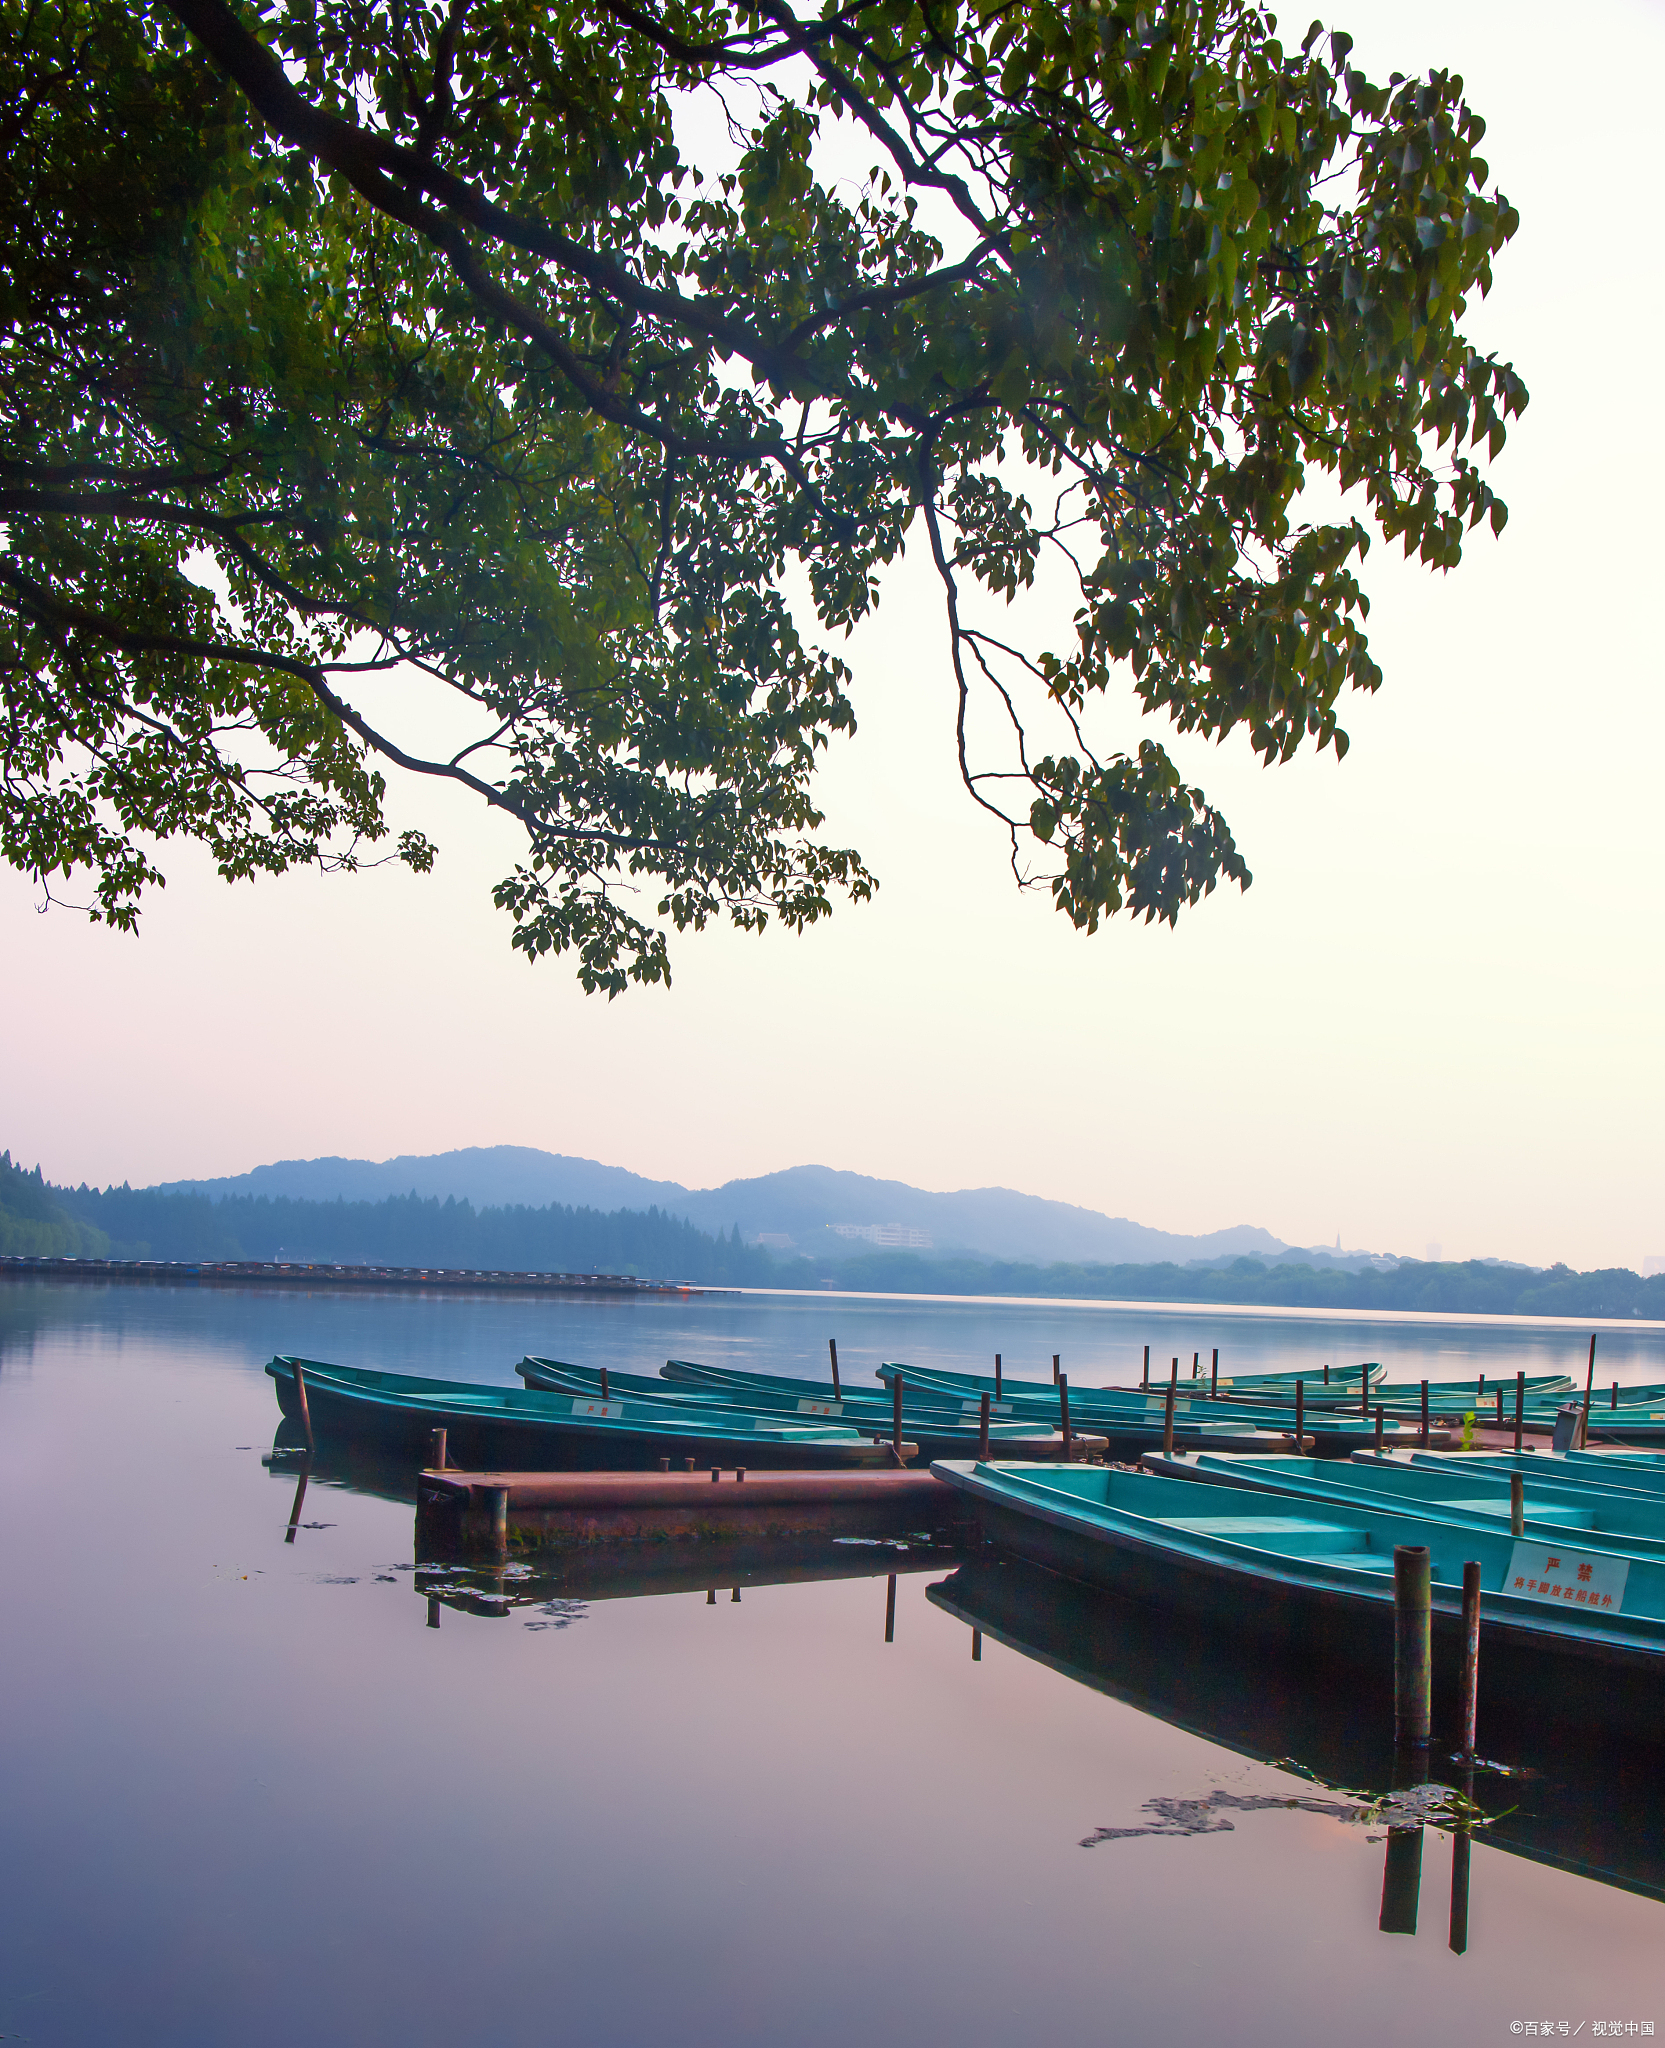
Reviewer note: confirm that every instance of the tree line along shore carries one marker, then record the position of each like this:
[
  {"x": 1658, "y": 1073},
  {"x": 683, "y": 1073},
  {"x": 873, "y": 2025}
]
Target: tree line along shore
[{"x": 38, "y": 1220}]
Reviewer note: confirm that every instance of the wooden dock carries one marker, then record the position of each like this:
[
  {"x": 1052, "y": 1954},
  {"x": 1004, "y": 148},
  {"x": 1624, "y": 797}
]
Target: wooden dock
[
  {"x": 458, "y": 1512},
  {"x": 318, "y": 1275}
]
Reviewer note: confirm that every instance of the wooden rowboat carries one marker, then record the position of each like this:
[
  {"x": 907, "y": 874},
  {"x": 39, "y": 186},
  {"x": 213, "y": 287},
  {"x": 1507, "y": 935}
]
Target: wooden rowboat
[
  {"x": 513, "y": 1428},
  {"x": 1127, "y": 1429},
  {"x": 940, "y": 1432},
  {"x": 1317, "y": 1577}
]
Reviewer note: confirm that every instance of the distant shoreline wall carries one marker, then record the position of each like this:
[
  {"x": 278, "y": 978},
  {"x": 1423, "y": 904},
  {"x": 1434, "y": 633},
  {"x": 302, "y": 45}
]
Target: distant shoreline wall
[{"x": 264, "y": 1273}]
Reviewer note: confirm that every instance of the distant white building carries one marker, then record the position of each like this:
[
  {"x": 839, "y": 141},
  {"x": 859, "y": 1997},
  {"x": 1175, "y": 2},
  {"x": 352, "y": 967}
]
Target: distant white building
[{"x": 891, "y": 1235}]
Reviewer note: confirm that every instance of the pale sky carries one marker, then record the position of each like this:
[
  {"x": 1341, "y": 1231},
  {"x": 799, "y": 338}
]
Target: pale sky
[{"x": 1434, "y": 1019}]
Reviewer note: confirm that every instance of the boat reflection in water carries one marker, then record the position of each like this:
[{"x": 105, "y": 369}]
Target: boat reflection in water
[
  {"x": 1551, "y": 1794},
  {"x": 637, "y": 1571}
]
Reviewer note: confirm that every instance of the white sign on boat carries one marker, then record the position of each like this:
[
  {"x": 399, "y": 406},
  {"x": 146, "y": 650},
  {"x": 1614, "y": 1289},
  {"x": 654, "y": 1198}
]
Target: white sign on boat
[{"x": 1569, "y": 1578}]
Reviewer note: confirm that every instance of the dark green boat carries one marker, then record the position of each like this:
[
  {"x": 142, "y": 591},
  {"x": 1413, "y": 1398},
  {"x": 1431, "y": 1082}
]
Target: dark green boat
[{"x": 514, "y": 1429}]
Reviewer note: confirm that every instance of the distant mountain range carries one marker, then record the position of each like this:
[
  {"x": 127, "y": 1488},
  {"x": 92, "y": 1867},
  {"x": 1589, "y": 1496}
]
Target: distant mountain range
[{"x": 815, "y": 1210}]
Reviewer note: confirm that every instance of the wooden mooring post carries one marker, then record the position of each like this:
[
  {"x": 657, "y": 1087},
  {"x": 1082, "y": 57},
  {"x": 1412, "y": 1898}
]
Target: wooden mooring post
[
  {"x": 896, "y": 1423},
  {"x": 436, "y": 1450},
  {"x": 1520, "y": 1409},
  {"x": 300, "y": 1396},
  {"x": 1380, "y": 1412},
  {"x": 1517, "y": 1504},
  {"x": 1589, "y": 1385},
  {"x": 890, "y": 1608},
  {"x": 983, "y": 1428},
  {"x": 1471, "y": 1660},
  {"x": 1424, "y": 1437},
  {"x": 1300, "y": 1417},
  {"x": 997, "y": 1375},
  {"x": 496, "y": 1501},
  {"x": 1168, "y": 1413},
  {"x": 1214, "y": 1376},
  {"x": 1064, "y": 1416},
  {"x": 832, "y": 1353},
  {"x": 1412, "y": 1651},
  {"x": 1145, "y": 1382}
]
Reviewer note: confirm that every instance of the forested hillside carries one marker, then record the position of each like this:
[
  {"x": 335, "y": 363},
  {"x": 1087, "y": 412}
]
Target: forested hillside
[
  {"x": 1452, "y": 1287},
  {"x": 408, "y": 1230},
  {"x": 39, "y": 1220},
  {"x": 35, "y": 1226}
]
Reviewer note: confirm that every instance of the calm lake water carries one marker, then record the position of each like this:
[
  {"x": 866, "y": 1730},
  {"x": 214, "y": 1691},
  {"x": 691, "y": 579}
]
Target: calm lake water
[{"x": 254, "y": 1797}]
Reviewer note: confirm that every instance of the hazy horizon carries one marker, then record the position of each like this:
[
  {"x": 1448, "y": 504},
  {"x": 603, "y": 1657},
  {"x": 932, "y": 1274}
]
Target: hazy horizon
[{"x": 1430, "y": 1022}]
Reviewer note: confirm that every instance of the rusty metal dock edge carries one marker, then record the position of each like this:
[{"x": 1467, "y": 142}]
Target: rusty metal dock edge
[{"x": 556, "y": 1510}]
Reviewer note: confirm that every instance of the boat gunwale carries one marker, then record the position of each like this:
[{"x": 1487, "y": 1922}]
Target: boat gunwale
[{"x": 1238, "y": 1564}]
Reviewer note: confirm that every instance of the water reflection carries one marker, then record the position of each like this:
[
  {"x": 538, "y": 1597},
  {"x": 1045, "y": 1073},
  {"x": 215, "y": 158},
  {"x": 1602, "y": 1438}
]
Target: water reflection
[
  {"x": 1546, "y": 1793},
  {"x": 242, "y": 1763},
  {"x": 636, "y": 1571},
  {"x": 302, "y": 1477},
  {"x": 1402, "y": 1865}
]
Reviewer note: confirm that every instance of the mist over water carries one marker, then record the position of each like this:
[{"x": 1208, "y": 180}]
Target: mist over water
[{"x": 254, "y": 1797}]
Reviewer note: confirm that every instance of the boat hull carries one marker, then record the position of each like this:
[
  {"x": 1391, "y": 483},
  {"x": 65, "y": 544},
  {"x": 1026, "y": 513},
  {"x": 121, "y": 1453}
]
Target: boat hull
[
  {"x": 502, "y": 1443},
  {"x": 1581, "y": 1679}
]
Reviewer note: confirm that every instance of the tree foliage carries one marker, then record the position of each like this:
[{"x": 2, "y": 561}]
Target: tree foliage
[{"x": 350, "y": 343}]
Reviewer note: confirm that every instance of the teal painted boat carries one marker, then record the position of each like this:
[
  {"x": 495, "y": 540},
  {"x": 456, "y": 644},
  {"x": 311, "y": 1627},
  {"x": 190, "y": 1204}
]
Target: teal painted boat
[
  {"x": 940, "y": 1432},
  {"x": 1463, "y": 1496},
  {"x": 1613, "y": 1470},
  {"x": 1130, "y": 1414},
  {"x": 514, "y": 1428},
  {"x": 1133, "y": 1426},
  {"x": 1342, "y": 1383},
  {"x": 1317, "y": 1576}
]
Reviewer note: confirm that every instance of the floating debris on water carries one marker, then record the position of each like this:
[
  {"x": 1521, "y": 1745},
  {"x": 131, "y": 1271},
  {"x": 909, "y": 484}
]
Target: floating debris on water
[
  {"x": 1414, "y": 1806},
  {"x": 560, "y": 1614}
]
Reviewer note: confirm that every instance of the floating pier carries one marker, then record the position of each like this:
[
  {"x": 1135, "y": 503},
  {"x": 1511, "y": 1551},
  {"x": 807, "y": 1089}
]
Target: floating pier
[{"x": 457, "y": 1512}]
